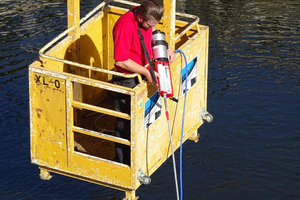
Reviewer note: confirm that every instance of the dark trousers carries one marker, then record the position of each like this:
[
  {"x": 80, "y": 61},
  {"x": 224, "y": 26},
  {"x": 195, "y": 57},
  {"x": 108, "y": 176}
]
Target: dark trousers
[{"x": 122, "y": 127}]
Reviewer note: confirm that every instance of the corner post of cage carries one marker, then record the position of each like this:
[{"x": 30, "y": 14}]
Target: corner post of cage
[
  {"x": 74, "y": 22},
  {"x": 169, "y": 21},
  {"x": 74, "y": 18},
  {"x": 206, "y": 65}
]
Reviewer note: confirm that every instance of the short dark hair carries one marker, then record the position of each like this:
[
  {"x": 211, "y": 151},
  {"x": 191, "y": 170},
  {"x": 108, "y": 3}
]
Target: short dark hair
[{"x": 151, "y": 10}]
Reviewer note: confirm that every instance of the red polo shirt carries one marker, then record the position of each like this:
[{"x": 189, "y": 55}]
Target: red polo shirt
[{"x": 127, "y": 44}]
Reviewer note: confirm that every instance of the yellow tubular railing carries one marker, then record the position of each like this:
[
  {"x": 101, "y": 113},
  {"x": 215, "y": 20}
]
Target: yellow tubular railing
[
  {"x": 194, "y": 23},
  {"x": 92, "y": 12}
]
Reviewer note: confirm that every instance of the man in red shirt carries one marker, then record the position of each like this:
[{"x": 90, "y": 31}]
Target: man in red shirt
[{"x": 130, "y": 58}]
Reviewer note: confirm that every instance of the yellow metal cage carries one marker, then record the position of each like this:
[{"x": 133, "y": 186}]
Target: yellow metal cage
[{"x": 71, "y": 100}]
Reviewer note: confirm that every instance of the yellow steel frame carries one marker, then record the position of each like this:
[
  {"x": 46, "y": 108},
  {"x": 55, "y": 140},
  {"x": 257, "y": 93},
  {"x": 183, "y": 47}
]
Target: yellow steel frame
[{"x": 55, "y": 93}]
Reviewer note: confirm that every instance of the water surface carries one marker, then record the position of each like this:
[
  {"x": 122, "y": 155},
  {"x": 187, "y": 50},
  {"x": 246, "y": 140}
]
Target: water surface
[{"x": 250, "y": 151}]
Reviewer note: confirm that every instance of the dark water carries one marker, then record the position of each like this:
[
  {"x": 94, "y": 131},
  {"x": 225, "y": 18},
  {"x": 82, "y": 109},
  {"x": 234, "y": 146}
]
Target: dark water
[{"x": 250, "y": 151}]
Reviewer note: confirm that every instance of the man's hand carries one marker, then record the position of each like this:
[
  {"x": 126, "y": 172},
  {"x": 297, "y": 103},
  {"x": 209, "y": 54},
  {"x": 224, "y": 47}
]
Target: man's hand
[
  {"x": 150, "y": 78},
  {"x": 171, "y": 54}
]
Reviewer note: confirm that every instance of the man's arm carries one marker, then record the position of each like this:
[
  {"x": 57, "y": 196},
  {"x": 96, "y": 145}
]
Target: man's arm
[{"x": 132, "y": 66}]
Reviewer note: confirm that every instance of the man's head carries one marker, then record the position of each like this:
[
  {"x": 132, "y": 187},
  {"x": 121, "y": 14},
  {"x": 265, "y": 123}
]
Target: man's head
[{"x": 149, "y": 13}]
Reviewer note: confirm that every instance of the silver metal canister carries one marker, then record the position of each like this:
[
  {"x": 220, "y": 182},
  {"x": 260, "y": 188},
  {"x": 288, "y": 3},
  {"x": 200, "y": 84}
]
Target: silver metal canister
[{"x": 159, "y": 46}]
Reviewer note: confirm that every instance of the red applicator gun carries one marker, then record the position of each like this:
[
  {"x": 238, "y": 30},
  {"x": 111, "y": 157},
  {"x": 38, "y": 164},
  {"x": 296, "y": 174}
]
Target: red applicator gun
[{"x": 161, "y": 64}]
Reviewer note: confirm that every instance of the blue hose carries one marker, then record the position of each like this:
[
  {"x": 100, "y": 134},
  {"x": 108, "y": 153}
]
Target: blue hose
[{"x": 182, "y": 125}]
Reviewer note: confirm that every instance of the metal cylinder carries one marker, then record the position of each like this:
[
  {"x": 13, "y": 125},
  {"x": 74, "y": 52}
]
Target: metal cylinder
[
  {"x": 159, "y": 46},
  {"x": 206, "y": 116},
  {"x": 143, "y": 178}
]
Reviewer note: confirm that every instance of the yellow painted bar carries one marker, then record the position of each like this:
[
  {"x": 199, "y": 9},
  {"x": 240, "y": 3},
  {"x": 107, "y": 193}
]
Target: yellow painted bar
[
  {"x": 74, "y": 17},
  {"x": 100, "y": 110},
  {"x": 101, "y": 135},
  {"x": 169, "y": 21}
]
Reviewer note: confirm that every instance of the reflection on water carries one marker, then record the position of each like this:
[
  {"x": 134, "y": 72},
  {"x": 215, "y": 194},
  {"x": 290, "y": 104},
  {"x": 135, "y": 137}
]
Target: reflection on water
[{"x": 250, "y": 151}]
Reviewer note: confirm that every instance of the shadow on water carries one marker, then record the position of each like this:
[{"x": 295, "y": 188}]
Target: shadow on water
[{"x": 250, "y": 151}]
